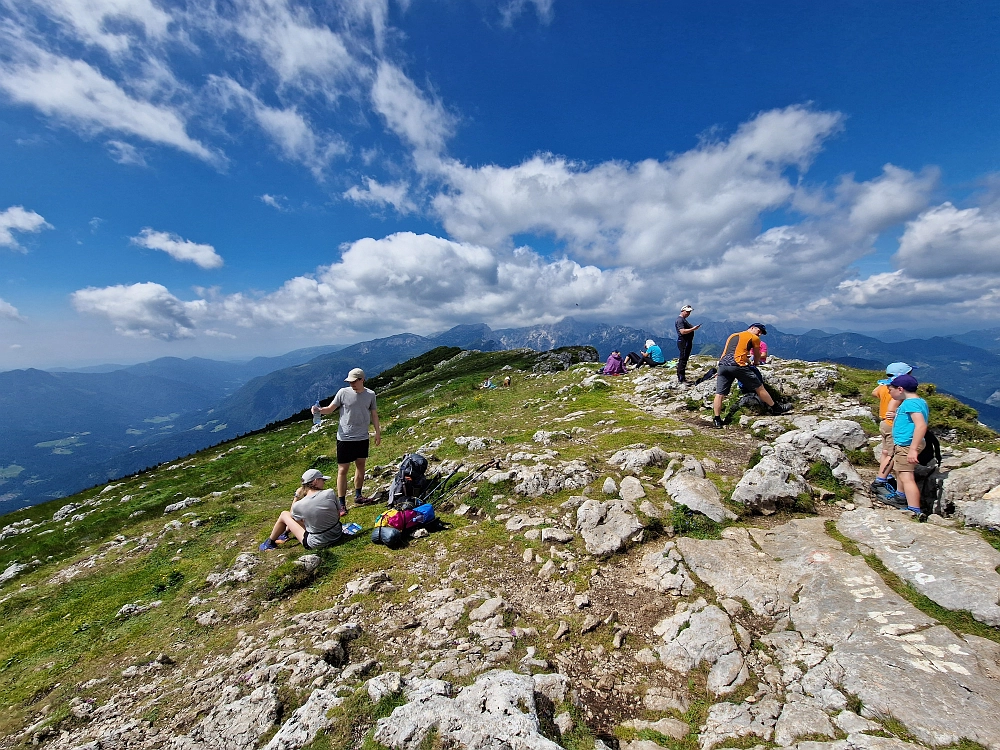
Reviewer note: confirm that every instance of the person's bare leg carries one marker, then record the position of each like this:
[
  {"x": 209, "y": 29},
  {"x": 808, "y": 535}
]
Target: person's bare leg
[
  {"x": 717, "y": 404},
  {"x": 342, "y": 479},
  {"x": 910, "y": 489},
  {"x": 885, "y": 466},
  {"x": 359, "y": 473},
  {"x": 285, "y": 521},
  {"x": 764, "y": 396}
]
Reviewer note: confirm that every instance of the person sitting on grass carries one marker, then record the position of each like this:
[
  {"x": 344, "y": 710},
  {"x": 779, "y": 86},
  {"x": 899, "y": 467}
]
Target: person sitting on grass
[
  {"x": 908, "y": 430},
  {"x": 314, "y": 519},
  {"x": 651, "y": 356},
  {"x": 614, "y": 365}
]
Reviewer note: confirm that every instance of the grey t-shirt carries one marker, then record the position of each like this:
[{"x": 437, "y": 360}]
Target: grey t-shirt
[
  {"x": 355, "y": 413},
  {"x": 319, "y": 513},
  {"x": 681, "y": 323}
]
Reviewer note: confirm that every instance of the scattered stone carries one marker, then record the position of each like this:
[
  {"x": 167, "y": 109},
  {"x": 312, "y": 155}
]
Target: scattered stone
[
  {"x": 564, "y": 723},
  {"x": 609, "y": 487},
  {"x": 636, "y": 457},
  {"x": 631, "y": 490},
  {"x": 606, "y": 527},
  {"x": 488, "y": 609},
  {"x": 306, "y": 721},
  {"x": 673, "y": 728},
  {"x": 309, "y": 562},
  {"x": 562, "y": 630},
  {"x": 552, "y": 534},
  {"x": 581, "y": 600},
  {"x": 519, "y": 522},
  {"x": 590, "y": 623},
  {"x": 208, "y": 619},
  {"x": 699, "y": 495}
]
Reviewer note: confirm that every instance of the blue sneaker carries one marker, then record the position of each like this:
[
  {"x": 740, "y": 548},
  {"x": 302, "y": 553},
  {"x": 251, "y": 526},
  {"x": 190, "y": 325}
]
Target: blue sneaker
[
  {"x": 266, "y": 545},
  {"x": 285, "y": 536}
]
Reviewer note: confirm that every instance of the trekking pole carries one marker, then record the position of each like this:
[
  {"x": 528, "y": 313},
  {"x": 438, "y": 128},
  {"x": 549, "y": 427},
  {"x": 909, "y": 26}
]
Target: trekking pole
[
  {"x": 439, "y": 487},
  {"x": 472, "y": 477}
]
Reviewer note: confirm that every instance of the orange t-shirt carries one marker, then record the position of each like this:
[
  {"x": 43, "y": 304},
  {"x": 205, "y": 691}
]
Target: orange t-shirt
[
  {"x": 738, "y": 348},
  {"x": 884, "y": 399}
]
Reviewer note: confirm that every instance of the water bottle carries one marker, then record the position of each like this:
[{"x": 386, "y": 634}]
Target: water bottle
[{"x": 317, "y": 417}]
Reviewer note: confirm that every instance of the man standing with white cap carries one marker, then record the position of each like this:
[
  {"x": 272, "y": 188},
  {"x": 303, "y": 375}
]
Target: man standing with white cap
[
  {"x": 357, "y": 411},
  {"x": 685, "y": 340}
]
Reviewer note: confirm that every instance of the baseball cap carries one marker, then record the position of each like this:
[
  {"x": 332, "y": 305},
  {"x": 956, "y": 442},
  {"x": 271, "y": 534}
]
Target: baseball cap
[
  {"x": 356, "y": 374},
  {"x": 687, "y": 308},
  {"x": 906, "y": 381},
  {"x": 898, "y": 368},
  {"x": 763, "y": 330},
  {"x": 311, "y": 475}
]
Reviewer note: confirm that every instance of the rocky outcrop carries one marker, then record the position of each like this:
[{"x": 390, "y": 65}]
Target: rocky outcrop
[
  {"x": 607, "y": 527},
  {"x": 700, "y": 495},
  {"x": 499, "y": 709}
]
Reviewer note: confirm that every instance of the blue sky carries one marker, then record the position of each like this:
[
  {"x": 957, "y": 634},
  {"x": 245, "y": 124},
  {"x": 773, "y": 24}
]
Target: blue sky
[{"x": 255, "y": 176}]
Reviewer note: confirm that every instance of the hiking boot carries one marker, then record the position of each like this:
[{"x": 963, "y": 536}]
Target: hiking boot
[
  {"x": 364, "y": 500},
  {"x": 882, "y": 489},
  {"x": 779, "y": 409},
  {"x": 266, "y": 545},
  {"x": 717, "y": 423}
]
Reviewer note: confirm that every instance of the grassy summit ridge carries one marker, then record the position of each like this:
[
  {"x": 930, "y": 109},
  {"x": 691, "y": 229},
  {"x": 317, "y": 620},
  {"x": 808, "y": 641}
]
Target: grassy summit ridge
[{"x": 62, "y": 637}]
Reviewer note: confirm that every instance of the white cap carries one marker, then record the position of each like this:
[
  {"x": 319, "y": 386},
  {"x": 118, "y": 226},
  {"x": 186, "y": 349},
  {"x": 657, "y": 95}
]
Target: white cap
[
  {"x": 356, "y": 374},
  {"x": 687, "y": 308},
  {"x": 311, "y": 475}
]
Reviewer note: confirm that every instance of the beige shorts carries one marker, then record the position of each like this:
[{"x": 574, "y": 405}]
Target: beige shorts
[
  {"x": 899, "y": 462},
  {"x": 885, "y": 430}
]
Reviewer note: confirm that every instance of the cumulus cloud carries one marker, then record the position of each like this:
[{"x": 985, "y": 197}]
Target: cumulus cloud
[
  {"x": 146, "y": 310},
  {"x": 375, "y": 193},
  {"x": 178, "y": 248},
  {"x": 8, "y": 311},
  {"x": 17, "y": 219},
  {"x": 651, "y": 214},
  {"x": 947, "y": 239}
]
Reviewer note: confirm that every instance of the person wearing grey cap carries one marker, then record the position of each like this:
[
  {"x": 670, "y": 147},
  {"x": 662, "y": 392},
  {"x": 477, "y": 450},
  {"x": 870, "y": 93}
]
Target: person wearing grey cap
[
  {"x": 685, "y": 340},
  {"x": 358, "y": 410},
  {"x": 314, "y": 518}
]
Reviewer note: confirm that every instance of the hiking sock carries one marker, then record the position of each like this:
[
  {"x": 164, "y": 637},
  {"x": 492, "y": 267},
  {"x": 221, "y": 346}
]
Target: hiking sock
[
  {"x": 343, "y": 502},
  {"x": 357, "y": 493},
  {"x": 717, "y": 423}
]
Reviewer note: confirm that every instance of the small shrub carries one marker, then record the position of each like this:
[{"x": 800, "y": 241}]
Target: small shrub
[
  {"x": 846, "y": 388},
  {"x": 687, "y": 522},
  {"x": 862, "y": 457},
  {"x": 171, "y": 580}
]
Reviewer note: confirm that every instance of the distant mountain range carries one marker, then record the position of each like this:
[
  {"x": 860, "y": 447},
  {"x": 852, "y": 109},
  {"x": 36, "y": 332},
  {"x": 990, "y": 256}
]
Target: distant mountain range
[{"x": 64, "y": 431}]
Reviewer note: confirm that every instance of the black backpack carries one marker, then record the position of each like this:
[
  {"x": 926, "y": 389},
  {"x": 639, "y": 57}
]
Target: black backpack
[
  {"x": 410, "y": 483},
  {"x": 929, "y": 479}
]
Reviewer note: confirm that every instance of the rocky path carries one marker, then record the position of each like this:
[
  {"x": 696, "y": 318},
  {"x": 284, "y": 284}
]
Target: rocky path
[{"x": 555, "y": 616}]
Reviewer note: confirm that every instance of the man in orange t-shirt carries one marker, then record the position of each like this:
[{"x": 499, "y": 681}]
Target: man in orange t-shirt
[{"x": 735, "y": 364}]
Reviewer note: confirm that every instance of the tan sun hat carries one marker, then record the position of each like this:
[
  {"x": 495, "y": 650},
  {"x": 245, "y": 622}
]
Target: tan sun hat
[{"x": 356, "y": 374}]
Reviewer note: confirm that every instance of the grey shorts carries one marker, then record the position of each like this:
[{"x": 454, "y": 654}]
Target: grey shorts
[{"x": 728, "y": 373}]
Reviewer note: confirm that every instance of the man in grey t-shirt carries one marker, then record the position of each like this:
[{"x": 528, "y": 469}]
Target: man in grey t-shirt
[{"x": 357, "y": 410}]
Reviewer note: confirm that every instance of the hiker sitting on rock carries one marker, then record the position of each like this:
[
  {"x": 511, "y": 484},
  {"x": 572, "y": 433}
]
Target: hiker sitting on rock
[
  {"x": 887, "y": 406},
  {"x": 908, "y": 430},
  {"x": 735, "y": 364},
  {"x": 652, "y": 356},
  {"x": 314, "y": 519},
  {"x": 614, "y": 365}
]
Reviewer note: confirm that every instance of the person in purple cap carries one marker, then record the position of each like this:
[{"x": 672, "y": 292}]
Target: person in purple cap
[{"x": 908, "y": 430}]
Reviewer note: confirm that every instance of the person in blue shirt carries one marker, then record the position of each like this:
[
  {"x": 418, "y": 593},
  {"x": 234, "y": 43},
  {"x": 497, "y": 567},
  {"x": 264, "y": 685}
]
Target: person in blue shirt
[
  {"x": 652, "y": 355},
  {"x": 908, "y": 430}
]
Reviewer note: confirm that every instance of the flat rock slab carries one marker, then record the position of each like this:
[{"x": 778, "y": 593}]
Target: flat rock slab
[
  {"x": 698, "y": 494},
  {"x": 897, "y": 660},
  {"x": 956, "y": 569},
  {"x": 736, "y": 569}
]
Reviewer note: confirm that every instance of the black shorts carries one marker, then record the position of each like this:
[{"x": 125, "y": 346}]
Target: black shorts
[
  {"x": 728, "y": 373},
  {"x": 349, "y": 451}
]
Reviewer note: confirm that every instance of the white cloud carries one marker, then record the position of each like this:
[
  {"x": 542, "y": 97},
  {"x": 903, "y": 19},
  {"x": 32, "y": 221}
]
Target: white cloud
[
  {"x": 80, "y": 95},
  {"x": 511, "y": 9},
  {"x": 288, "y": 128},
  {"x": 93, "y": 20},
  {"x": 651, "y": 214},
  {"x": 178, "y": 248},
  {"x": 946, "y": 240},
  {"x": 274, "y": 201},
  {"x": 422, "y": 123},
  {"x": 146, "y": 310},
  {"x": 375, "y": 193},
  {"x": 298, "y": 48},
  {"x": 218, "y": 334},
  {"x": 8, "y": 311},
  {"x": 17, "y": 219},
  {"x": 126, "y": 153}
]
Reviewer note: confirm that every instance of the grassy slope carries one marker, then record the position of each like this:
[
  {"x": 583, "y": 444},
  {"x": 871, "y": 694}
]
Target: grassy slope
[{"x": 56, "y": 635}]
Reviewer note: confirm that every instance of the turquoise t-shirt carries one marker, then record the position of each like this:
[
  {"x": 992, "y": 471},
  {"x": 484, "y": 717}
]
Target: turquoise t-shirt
[
  {"x": 656, "y": 354},
  {"x": 903, "y": 426}
]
